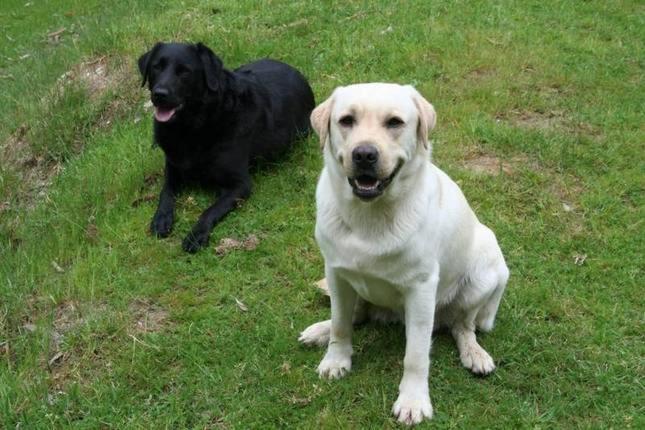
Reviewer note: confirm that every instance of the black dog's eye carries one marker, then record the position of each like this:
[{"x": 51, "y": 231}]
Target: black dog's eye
[
  {"x": 159, "y": 65},
  {"x": 347, "y": 120},
  {"x": 394, "y": 122},
  {"x": 182, "y": 70}
]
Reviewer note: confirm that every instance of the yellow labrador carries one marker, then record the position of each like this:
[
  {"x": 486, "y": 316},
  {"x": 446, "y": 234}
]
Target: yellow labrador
[{"x": 397, "y": 233}]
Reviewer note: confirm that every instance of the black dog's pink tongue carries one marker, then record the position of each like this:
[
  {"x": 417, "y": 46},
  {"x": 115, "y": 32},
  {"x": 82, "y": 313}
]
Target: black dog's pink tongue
[{"x": 163, "y": 114}]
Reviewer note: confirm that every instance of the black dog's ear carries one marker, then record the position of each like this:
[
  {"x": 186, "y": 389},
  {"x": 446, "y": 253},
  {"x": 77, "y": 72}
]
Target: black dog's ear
[
  {"x": 144, "y": 62},
  {"x": 212, "y": 66}
]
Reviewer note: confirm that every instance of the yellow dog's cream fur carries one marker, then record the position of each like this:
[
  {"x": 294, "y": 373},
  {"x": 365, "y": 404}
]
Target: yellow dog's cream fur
[{"x": 417, "y": 250}]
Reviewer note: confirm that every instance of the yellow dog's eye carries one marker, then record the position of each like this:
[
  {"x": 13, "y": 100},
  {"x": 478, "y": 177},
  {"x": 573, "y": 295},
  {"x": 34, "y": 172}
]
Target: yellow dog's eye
[
  {"x": 347, "y": 120},
  {"x": 394, "y": 122}
]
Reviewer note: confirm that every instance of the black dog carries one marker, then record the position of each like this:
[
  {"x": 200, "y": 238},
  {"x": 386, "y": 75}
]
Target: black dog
[{"x": 212, "y": 123}]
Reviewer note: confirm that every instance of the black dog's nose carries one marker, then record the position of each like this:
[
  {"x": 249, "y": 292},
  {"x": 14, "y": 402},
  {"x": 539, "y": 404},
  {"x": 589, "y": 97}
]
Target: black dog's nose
[
  {"x": 159, "y": 93},
  {"x": 365, "y": 156}
]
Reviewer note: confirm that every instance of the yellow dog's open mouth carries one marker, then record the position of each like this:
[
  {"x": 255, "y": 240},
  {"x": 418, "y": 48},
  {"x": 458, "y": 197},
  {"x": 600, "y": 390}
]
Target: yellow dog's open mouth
[{"x": 367, "y": 186}]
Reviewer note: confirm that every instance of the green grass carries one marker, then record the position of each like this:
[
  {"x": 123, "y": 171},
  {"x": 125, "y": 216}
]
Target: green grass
[{"x": 152, "y": 337}]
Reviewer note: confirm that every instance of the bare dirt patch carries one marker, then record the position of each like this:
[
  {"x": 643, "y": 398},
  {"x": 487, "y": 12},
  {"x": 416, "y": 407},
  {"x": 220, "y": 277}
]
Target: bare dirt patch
[
  {"x": 539, "y": 120},
  {"x": 32, "y": 169},
  {"x": 149, "y": 317},
  {"x": 67, "y": 316},
  {"x": 553, "y": 120},
  {"x": 100, "y": 76},
  {"x": 480, "y": 73},
  {"x": 67, "y": 364},
  {"x": 63, "y": 365},
  {"x": 97, "y": 75},
  {"x": 63, "y": 362},
  {"x": 487, "y": 164},
  {"x": 564, "y": 188},
  {"x": 567, "y": 190}
]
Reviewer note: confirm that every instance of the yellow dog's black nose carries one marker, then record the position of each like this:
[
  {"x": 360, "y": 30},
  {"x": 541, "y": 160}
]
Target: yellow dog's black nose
[{"x": 365, "y": 156}]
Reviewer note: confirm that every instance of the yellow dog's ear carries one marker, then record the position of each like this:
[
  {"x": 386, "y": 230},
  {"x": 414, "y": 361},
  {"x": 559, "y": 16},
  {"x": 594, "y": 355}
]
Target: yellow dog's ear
[
  {"x": 320, "y": 119},
  {"x": 427, "y": 116}
]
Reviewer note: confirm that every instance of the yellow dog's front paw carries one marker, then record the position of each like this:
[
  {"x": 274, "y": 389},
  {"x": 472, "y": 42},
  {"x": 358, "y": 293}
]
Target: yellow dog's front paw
[
  {"x": 477, "y": 360},
  {"x": 334, "y": 366},
  {"x": 410, "y": 409}
]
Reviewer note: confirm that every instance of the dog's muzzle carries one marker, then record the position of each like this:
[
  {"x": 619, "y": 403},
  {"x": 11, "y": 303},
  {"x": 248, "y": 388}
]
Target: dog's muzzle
[
  {"x": 366, "y": 184},
  {"x": 165, "y": 107}
]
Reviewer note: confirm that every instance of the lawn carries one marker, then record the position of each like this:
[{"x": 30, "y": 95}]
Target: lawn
[{"x": 540, "y": 120}]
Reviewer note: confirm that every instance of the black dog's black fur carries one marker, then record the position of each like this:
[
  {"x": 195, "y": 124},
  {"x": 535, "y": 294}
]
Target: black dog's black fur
[{"x": 212, "y": 123}]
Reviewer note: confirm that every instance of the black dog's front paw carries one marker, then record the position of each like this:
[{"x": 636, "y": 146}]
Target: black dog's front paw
[
  {"x": 195, "y": 240},
  {"x": 161, "y": 224}
]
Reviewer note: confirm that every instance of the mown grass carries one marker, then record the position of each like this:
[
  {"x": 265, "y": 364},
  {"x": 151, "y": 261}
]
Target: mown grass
[{"x": 142, "y": 335}]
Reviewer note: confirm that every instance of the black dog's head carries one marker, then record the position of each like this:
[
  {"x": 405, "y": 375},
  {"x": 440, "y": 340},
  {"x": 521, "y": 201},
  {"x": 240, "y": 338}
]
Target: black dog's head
[{"x": 179, "y": 75}]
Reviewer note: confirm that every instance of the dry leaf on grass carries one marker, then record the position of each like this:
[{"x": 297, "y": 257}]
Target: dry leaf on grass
[
  {"x": 29, "y": 327},
  {"x": 54, "y": 36},
  {"x": 151, "y": 179},
  {"x": 146, "y": 198},
  {"x": 322, "y": 286},
  {"x": 229, "y": 244},
  {"x": 57, "y": 267},
  {"x": 92, "y": 232},
  {"x": 297, "y": 23},
  {"x": 240, "y": 305},
  {"x": 299, "y": 401},
  {"x": 55, "y": 359}
]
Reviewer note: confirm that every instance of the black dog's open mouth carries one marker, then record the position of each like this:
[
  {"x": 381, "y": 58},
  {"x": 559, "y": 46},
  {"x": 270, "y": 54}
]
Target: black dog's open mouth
[
  {"x": 165, "y": 114},
  {"x": 368, "y": 186}
]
